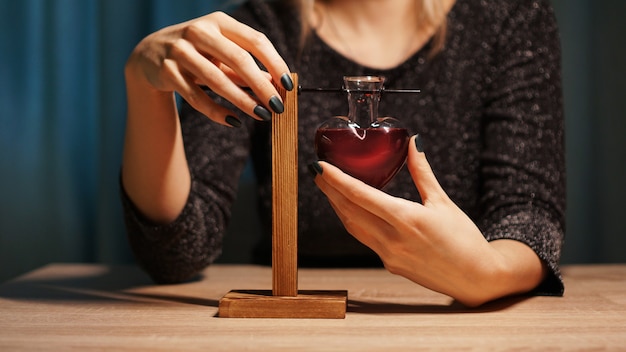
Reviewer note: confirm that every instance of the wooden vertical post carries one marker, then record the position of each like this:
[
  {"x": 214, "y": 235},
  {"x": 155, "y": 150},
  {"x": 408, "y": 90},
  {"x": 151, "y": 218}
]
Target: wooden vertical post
[
  {"x": 285, "y": 195},
  {"x": 284, "y": 300}
]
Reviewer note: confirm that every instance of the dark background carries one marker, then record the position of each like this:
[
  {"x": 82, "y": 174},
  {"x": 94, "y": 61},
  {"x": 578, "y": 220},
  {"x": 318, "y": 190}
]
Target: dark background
[{"x": 62, "y": 111}]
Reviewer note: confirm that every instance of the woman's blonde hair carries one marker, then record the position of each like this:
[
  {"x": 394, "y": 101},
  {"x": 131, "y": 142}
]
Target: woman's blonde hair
[{"x": 431, "y": 13}]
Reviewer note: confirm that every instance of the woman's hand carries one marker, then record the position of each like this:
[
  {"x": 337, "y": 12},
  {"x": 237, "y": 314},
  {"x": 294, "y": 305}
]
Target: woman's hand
[
  {"x": 433, "y": 244},
  {"x": 216, "y": 51}
]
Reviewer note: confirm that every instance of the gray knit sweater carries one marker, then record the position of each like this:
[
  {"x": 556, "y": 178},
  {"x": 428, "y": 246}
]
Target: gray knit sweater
[{"x": 490, "y": 115}]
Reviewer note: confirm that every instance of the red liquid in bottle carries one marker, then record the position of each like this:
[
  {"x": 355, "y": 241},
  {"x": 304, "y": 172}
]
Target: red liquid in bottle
[{"x": 373, "y": 155}]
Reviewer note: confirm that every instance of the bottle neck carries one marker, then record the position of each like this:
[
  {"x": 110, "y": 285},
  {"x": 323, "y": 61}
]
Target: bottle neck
[
  {"x": 363, "y": 97},
  {"x": 363, "y": 107}
]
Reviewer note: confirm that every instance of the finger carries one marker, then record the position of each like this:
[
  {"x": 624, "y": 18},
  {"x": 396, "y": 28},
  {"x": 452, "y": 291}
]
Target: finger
[
  {"x": 233, "y": 76},
  {"x": 366, "y": 227},
  {"x": 259, "y": 45},
  {"x": 371, "y": 199},
  {"x": 197, "y": 98},
  {"x": 208, "y": 74},
  {"x": 422, "y": 174},
  {"x": 249, "y": 73},
  {"x": 237, "y": 55}
]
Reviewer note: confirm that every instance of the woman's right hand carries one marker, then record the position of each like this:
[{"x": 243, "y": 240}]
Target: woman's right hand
[{"x": 215, "y": 51}]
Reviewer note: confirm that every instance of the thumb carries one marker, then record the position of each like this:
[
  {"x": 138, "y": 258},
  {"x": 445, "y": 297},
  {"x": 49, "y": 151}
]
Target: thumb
[{"x": 421, "y": 172}]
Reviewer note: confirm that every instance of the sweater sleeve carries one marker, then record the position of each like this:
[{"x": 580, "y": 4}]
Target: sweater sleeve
[
  {"x": 177, "y": 251},
  {"x": 523, "y": 161}
]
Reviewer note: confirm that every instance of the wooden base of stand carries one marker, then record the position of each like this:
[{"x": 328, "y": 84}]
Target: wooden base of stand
[{"x": 262, "y": 304}]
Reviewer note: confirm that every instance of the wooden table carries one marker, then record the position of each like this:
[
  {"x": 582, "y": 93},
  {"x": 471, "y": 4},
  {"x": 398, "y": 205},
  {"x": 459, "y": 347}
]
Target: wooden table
[{"x": 85, "y": 307}]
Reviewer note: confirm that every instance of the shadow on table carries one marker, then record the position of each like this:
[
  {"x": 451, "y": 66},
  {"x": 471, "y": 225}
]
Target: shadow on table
[
  {"x": 128, "y": 284},
  {"x": 113, "y": 285},
  {"x": 363, "y": 307}
]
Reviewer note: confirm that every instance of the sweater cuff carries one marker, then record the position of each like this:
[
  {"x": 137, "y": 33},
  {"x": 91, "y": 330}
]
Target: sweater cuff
[{"x": 543, "y": 236}]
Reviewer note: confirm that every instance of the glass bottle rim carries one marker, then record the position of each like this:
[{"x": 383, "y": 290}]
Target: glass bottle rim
[
  {"x": 363, "y": 83},
  {"x": 368, "y": 79}
]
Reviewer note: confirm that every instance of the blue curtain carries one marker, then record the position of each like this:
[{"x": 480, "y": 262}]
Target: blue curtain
[
  {"x": 594, "y": 84},
  {"x": 62, "y": 112},
  {"x": 62, "y": 107}
]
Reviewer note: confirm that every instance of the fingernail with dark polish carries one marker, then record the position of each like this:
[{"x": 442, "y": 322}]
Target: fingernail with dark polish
[
  {"x": 233, "y": 121},
  {"x": 315, "y": 168},
  {"x": 262, "y": 113},
  {"x": 418, "y": 143},
  {"x": 286, "y": 81},
  {"x": 276, "y": 105}
]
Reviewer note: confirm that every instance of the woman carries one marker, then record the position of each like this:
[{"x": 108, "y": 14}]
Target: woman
[{"x": 485, "y": 221}]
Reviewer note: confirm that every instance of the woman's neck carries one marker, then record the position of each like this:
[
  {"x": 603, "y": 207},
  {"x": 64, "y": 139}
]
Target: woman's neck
[
  {"x": 365, "y": 13},
  {"x": 379, "y": 34}
]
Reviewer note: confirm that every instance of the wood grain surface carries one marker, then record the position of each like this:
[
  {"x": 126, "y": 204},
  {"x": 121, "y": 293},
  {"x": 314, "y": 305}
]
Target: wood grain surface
[
  {"x": 84, "y": 307},
  {"x": 285, "y": 194}
]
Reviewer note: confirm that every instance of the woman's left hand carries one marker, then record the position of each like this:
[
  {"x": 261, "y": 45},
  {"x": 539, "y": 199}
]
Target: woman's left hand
[{"x": 434, "y": 244}]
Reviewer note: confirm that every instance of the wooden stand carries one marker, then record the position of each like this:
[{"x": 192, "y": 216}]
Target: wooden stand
[{"x": 284, "y": 301}]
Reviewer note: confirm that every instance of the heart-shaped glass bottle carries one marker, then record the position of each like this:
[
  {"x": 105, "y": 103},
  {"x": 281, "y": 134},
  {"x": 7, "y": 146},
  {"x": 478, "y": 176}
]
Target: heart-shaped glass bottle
[{"x": 368, "y": 147}]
